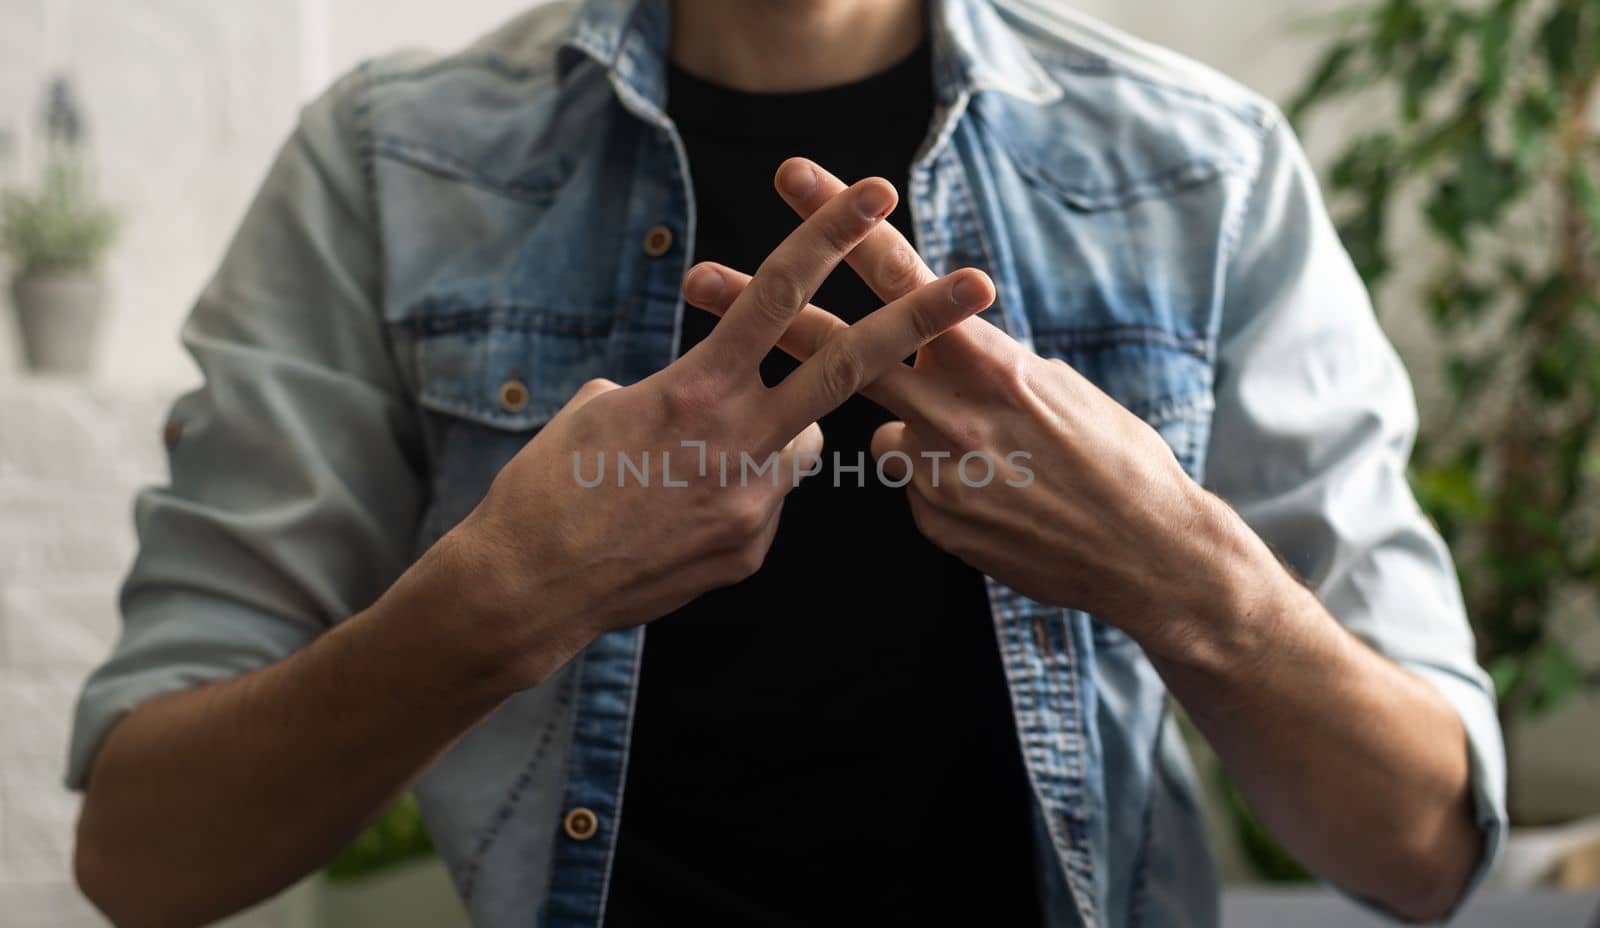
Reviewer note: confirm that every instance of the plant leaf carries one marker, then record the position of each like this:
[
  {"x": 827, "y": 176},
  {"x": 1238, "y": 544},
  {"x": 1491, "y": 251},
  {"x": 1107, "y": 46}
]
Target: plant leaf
[
  {"x": 1327, "y": 81},
  {"x": 398, "y": 836},
  {"x": 1557, "y": 677},
  {"x": 1584, "y": 189},
  {"x": 1494, "y": 37}
]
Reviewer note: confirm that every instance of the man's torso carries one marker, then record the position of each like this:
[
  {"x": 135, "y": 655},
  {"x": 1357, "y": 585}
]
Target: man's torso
[{"x": 518, "y": 185}]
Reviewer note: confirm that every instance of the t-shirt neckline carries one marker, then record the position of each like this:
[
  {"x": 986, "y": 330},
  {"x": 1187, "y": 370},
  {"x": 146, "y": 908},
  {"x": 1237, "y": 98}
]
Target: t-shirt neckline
[{"x": 903, "y": 89}]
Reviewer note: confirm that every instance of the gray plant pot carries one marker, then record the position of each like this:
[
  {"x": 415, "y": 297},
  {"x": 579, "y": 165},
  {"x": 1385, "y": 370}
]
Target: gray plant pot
[{"x": 59, "y": 315}]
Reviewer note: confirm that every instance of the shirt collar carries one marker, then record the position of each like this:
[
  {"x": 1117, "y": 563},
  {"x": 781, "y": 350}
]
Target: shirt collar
[{"x": 973, "y": 50}]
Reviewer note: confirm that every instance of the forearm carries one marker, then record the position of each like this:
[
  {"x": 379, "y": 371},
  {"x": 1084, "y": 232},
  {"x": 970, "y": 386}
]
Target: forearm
[
  {"x": 1358, "y": 766},
  {"x": 204, "y": 801}
]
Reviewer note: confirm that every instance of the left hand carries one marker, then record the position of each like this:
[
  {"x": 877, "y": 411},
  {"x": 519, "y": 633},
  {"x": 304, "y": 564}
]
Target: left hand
[{"x": 1109, "y": 522}]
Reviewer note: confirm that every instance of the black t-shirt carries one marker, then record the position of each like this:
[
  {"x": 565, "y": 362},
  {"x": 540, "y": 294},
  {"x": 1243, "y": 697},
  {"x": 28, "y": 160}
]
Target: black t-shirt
[{"x": 831, "y": 741}]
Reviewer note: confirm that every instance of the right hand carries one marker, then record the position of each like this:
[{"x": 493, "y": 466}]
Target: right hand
[{"x": 595, "y": 559}]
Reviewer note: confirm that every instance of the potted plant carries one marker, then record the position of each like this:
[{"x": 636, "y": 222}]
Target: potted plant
[
  {"x": 388, "y": 875},
  {"x": 56, "y": 236},
  {"x": 1480, "y": 130}
]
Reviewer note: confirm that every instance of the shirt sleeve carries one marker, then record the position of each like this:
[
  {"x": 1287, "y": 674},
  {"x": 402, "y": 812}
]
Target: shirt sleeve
[
  {"x": 1314, "y": 425},
  {"x": 295, "y": 488}
]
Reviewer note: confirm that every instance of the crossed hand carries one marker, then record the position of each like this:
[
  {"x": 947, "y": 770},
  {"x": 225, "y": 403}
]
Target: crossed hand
[{"x": 1092, "y": 531}]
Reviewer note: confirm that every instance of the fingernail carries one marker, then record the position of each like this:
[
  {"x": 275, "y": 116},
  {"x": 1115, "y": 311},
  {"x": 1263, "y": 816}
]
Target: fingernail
[
  {"x": 969, "y": 291},
  {"x": 703, "y": 286},
  {"x": 799, "y": 180},
  {"x": 875, "y": 201}
]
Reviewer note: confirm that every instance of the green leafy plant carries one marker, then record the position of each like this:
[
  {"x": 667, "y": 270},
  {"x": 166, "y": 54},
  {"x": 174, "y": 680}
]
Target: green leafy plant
[
  {"x": 396, "y": 838},
  {"x": 1272, "y": 863},
  {"x": 60, "y": 227},
  {"x": 1480, "y": 132}
]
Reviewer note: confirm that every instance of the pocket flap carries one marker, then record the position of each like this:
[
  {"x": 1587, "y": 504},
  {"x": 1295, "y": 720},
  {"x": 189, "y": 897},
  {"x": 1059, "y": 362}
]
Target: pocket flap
[{"x": 507, "y": 371}]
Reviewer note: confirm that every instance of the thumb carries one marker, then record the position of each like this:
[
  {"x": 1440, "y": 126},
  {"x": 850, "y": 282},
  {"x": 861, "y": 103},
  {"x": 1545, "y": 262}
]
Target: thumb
[
  {"x": 802, "y": 456},
  {"x": 809, "y": 441},
  {"x": 895, "y": 439}
]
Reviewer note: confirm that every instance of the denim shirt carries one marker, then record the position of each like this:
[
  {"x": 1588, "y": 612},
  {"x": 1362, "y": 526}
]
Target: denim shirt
[{"x": 447, "y": 247}]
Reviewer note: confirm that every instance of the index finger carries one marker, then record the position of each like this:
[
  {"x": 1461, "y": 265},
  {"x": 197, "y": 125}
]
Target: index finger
[
  {"x": 860, "y": 354},
  {"x": 786, "y": 280},
  {"x": 884, "y": 260}
]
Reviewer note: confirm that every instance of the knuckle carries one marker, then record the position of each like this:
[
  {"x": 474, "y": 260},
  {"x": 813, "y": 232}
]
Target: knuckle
[
  {"x": 843, "y": 372},
  {"x": 946, "y": 496},
  {"x": 899, "y": 269},
  {"x": 778, "y": 292},
  {"x": 692, "y": 397},
  {"x": 745, "y": 520},
  {"x": 982, "y": 434},
  {"x": 925, "y": 323},
  {"x": 964, "y": 434},
  {"x": 1013, "y": 369},
  {"x": 962, "y": 499},
  {"x": 1006, "y": 373},
  {"x": 817, "y": 337}
]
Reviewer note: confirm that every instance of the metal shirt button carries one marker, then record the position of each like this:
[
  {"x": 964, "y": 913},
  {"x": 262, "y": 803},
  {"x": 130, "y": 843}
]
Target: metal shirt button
[
  {"x": 513, "y": 395},
  {"x": 580, "y": 824},
  {"x": 658, "y": 241}
]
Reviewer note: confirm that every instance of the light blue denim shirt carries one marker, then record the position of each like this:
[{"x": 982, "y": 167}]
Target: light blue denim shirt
[{"x": 438, "y": 227}]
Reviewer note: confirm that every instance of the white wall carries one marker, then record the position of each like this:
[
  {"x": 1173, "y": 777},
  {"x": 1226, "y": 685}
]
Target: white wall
[
  {"x": 187, "y": 101},
  {"x": 70, "y": 461}
]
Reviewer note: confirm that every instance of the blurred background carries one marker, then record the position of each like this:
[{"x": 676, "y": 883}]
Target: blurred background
[{"x": 1457, "y": 142}]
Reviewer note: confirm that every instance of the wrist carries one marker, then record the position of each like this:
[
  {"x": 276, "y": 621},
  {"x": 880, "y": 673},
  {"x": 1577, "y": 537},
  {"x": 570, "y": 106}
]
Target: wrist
[
  {"x": 493, "y": 627},
  {"x": 1225, "y": 611}
]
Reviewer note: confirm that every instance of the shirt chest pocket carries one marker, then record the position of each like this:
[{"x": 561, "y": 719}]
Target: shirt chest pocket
[
  {"x": 1163, "y": 378},
  {"x": 487, "y": 382}
]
